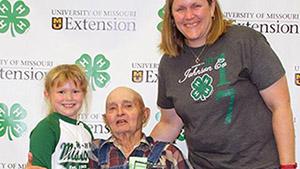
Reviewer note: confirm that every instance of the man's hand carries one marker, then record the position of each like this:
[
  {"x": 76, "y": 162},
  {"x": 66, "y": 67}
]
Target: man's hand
[{"x": 29, "y": 163}]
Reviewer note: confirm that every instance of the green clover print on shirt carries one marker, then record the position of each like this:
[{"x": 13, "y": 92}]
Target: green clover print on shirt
[
  {"x": 10, "y": 120},
  {"x": 13, "y": 18},
  {"x": 95, "y": 70},
  {"x": 202, "y": 87}
]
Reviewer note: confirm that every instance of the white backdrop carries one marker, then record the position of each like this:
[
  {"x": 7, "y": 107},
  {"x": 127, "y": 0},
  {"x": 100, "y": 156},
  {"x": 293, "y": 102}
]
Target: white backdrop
[{"x": 37, "y": 35}]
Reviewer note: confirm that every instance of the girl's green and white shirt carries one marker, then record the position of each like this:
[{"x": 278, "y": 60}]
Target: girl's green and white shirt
[{"x": 60, "y": 142}]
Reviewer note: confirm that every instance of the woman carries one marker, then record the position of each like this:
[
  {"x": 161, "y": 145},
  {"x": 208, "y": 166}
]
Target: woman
[{"x": 225, "y": 85}]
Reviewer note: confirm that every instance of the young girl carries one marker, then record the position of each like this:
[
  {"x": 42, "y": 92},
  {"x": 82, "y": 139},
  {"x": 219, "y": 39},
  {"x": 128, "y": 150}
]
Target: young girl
[{"x": 60, "y": 140}]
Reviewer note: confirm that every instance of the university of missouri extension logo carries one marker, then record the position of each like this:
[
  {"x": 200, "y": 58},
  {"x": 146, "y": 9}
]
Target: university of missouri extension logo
[
  {"x": 94, "y": 20},
  {"x": 23, "y": 69},
  {"x": 13, "y": 18},
  {"x": 137, "y": 76},
  {"x": 267, "y": 22},
  {"x": 144, "y": 72},
  {"x": 297, "y": 79},
  {"x": 10, "y": 120},
  {"x": 57, "y": 23},
  {"x": 297, "y": 75}
]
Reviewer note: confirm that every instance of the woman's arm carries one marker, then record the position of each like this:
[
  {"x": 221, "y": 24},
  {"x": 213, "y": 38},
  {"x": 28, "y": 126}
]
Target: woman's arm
[
  {"x": 277, "y": 99},
  {"x": 168, "y": 127}
]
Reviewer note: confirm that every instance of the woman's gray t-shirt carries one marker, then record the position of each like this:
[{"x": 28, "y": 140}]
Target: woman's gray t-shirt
[{"x": 226, "y": 122}]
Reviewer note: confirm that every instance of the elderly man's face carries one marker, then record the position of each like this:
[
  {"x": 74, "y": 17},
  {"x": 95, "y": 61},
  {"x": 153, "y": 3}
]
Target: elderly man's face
[{"x": 123, "y": 112}]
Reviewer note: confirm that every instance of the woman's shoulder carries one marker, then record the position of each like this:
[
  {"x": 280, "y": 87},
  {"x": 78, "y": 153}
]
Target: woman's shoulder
[
  {"x": 166, "y": 57},
  {"x": 165, "y": 60},
  {"x": 242, "y": 32}
]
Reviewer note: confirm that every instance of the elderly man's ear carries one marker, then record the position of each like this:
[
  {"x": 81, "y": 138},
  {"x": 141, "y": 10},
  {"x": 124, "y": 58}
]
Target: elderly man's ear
[{"x": 146, "y": 113}]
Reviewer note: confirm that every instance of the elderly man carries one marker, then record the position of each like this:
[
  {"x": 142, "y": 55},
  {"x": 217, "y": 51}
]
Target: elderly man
[{"x": 128, "y": 147}]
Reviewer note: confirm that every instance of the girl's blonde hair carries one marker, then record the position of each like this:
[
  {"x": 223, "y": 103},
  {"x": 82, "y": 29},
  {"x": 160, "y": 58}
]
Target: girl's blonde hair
[
  {"x": 172, "y": 40},
  {"x": 60, "y": 74}
]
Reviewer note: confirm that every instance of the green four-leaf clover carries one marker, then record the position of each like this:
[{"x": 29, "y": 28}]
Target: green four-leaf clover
[
  {"x": 161, "y": 14},
  {"x": 10, "y": 120},
  {"x": 181, "y": 136},
  {"x": 202, "y": 87},
  {"x": 13, "y": 17},
  {"x": 95, "y": 69}
]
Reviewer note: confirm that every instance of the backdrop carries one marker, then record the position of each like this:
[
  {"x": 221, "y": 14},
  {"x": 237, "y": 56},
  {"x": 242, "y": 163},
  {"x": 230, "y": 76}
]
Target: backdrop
[{"x": 123, "y": 36}]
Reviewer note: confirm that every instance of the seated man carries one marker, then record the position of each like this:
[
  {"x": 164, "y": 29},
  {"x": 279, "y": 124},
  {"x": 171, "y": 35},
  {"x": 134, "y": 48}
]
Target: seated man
[{"x": 128, "y": 147}]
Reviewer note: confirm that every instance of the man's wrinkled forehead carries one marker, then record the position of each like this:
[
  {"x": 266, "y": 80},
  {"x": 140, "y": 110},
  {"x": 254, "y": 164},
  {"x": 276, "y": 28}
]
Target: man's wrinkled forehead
[
  {"x": 125, "y": 101},
  {"x": 121, "y": 99},
  {"x": 123, "y": 95}
]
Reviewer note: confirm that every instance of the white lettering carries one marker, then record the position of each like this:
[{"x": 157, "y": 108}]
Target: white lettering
[{"x": 194, "y": 71}]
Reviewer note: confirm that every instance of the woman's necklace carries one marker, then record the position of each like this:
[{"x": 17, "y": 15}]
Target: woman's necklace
[{"x": 197, "y": 57}]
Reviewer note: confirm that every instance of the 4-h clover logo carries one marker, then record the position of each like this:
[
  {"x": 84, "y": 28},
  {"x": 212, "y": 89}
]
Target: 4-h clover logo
[
  {"x": 181, "y": 136},
  {"x": 10, "y": 120},
  {"x": 161, "y": 14},
  {"x": 202, "y": 87},
  {"x": 13, "y": 18},
  {"x": 95, "y": 70}
]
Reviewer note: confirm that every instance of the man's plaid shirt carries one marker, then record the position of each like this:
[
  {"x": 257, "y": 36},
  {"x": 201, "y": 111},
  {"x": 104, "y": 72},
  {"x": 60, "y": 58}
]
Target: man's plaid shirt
[{"x": 171, "y": 157}]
